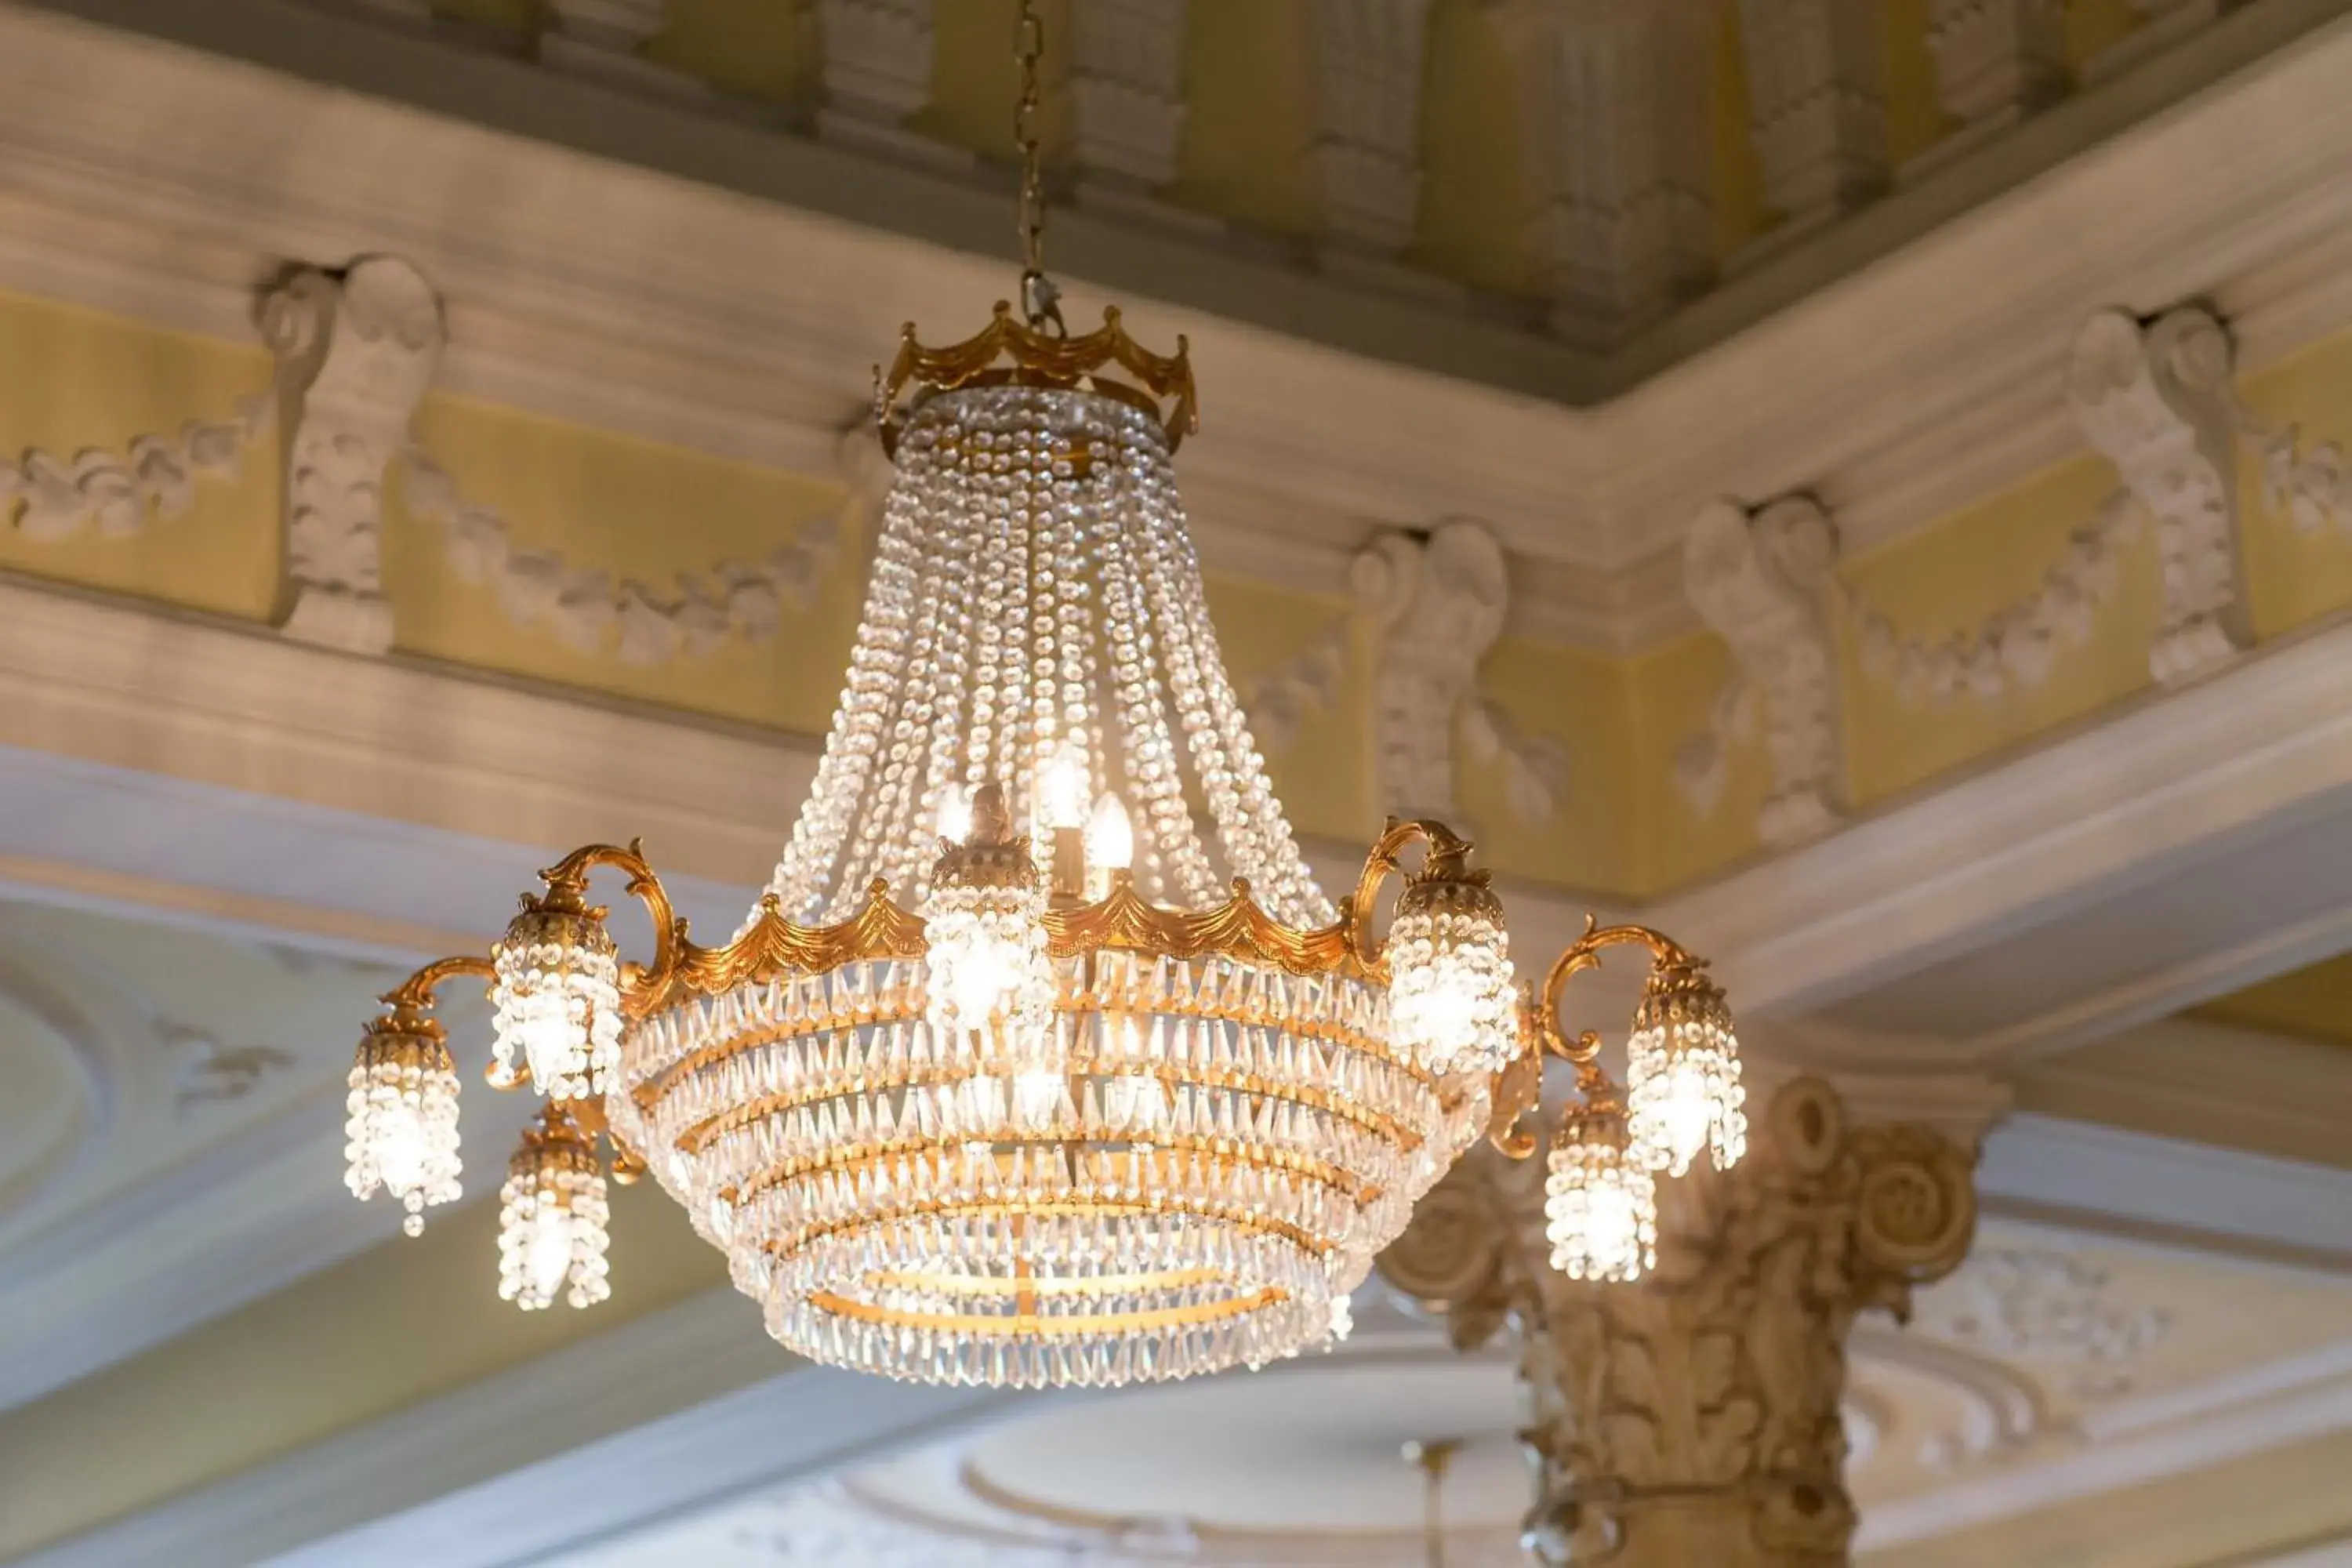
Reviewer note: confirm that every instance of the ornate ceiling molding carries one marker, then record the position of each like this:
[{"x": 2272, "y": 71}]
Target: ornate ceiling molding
[{"x": 1923, "y": 412}]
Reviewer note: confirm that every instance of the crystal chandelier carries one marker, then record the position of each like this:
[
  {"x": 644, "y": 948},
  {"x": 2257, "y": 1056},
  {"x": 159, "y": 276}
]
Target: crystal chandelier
[{"x": 1043, "y": 1060}]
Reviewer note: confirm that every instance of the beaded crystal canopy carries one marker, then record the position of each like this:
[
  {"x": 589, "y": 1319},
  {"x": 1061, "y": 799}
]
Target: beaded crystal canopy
[
  {"x": 1135, "y": 1112},
  {"x": 1043, "y": 1060}
]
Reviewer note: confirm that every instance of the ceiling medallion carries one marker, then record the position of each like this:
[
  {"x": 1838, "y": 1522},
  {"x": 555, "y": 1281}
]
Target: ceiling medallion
[{"x": 1044, "y": 1060}]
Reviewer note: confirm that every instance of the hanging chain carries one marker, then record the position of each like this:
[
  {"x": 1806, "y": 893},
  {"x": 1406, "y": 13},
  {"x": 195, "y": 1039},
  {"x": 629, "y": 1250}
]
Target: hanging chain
[{"x": 1039, "y": 298}]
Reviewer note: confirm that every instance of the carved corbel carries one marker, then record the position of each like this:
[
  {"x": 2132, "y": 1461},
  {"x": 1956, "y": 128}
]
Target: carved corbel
[
  {"x": 1816, "y": 78},
  {"x": 605, "y": 38},
  {"x": 1695, "y": 1417},
  {"x": 2156, "y": 399},
  {"x": 876, "y": 73},
  {"x": 1367, "y": 152},
  {"x": 1997, "y": 61},
  {"x": 1617, "y": 111},
  {"x": 1436, "y": 605},
  {"x": 355, "y": 351},
  {"x": 1762, "y": 582},
  {"x": 1127, "y": 92}
]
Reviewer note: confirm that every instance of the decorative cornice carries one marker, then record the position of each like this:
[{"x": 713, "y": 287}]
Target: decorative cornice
[
  {"x": 1921, "y": 412},
  {"x": 1818, "y": 115}
]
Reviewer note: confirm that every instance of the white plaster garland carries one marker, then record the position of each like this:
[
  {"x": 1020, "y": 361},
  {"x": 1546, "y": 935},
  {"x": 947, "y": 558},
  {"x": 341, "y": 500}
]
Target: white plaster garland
[
  {"x": 1764, "y": 581},
  {"x": 2015, "y": 648},
  {"x": 54, "y": 498},
  {"x": 636, "y": 623},
  {"x": 1436, "y": 606},
  {"x": 355, "y": 351},
  {"x": 1280, "y": 701},
  {"x": 2311, "y": 489}
]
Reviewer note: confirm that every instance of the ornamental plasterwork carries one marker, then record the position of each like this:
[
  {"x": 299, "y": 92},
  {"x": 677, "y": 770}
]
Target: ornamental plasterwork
[
  {"x": 877, "y": 71},
  {"x": 1764, "y": 582},
  {"x": 355, "y": 351},
  {"x": 50, "y": 496},
  {"x": 1436, "y": 606},
  {"x": 1367, "y": 152},
  {"x": 1699, "y": 1418},
  {"x": 2015, "y": 648},
  {"x": 1996, "y": 61},
  {"x": 1280, "y": 701},
  {"x": 1817, "y": 104},
  {"x": 2155, "y": 400},
  {"x": 1617, "y": 115},
  {"x": 1126, "y": 90},
  {"x": 639, "y": 624},
  {"x": 2055, "y": 1309}
]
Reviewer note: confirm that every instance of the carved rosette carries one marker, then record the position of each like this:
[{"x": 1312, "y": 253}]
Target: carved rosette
[
  {"x": 1763, "y": 581},
  {"x": 2157, "y": 400},
  {"x": 1695, "y": 1418},
  {"x": 355, "y": 352}
]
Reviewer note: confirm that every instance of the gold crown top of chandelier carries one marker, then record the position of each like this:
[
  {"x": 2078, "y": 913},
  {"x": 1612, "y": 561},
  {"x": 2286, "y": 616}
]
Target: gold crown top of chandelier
[{"x": 1043, "y": 1059}]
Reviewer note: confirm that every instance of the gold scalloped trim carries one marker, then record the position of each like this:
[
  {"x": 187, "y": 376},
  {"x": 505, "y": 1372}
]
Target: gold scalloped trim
[{"x": 1162, "y": 384}]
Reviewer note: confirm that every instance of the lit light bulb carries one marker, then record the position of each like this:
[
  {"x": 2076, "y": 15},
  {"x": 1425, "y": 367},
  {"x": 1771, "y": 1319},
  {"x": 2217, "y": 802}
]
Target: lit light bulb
[
  {"x": 1601, "y": 1202},
  {"x": 1453, "y": 1004},
  {"x": 551, "y": 1218},
  {"x": 1037, "y": 1095},
  {"x": 955, "y": 813},
  {"x": 400, "y": 1148},
  {"x": 402, "y": 1126},
  {"x": 1681, "y": 1075},
  {"x": 557, "y": 998},
  {"x": 1110, "y": 836},
  {"x": 1062, "y": 793},
  {"x": 548, "y": 1254}
]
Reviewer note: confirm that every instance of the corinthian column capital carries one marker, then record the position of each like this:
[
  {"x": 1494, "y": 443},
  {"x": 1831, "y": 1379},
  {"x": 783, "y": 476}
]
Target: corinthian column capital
[{"x": 1694, "y": 1417}]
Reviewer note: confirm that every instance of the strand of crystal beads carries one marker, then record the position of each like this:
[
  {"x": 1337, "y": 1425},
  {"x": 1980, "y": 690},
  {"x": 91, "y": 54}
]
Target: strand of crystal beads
[
  {"x": 1225, "y": 1148},
  {"x": 1009, "y": 501}
]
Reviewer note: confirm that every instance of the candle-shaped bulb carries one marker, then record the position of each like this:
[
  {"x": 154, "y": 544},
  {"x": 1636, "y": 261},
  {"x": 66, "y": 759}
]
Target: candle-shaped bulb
[
  {"x": 955, "y": 813},
  {"x": 1110, "y": 838},
  {"x": 1062, "y": 793}
]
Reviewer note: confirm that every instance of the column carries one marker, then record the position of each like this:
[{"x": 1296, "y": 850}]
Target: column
[{"x": 1694, "y": 1417}]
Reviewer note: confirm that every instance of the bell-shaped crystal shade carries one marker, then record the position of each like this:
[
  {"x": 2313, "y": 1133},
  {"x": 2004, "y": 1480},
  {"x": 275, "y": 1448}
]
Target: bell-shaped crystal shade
[
  {"x": 557, "y": 1001},
  {"x": 1601, "y": 1202},
  {"x": 1681, "y": 1069},
  {"x": 551, "y": 1219},
  {"x": 402, "y": 1128},
  {"x": 1453, "y": 996}
]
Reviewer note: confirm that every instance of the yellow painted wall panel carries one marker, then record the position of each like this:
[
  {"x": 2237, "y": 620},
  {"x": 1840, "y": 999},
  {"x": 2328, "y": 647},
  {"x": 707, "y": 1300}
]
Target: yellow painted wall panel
[
  {"x": 1322, "y": 775},
  {"x": 77, "y": 380},
  {"x": 1475, "y": 210},
  {"x": 2293, "y": 577},
  {"x": 2093, "y": 26},
  {"x": 765, "y": 48},
  {"x": 1674, "y": 691},
  {"x": 1945, "y": 581},
  {"x": 1580, "y": 702},
  {"x": 1249, "y": 82},
  {"x": 637, "y": 511},
  {"x": 1740, "y": 214},
  {"x": 1915, "y": 118}
]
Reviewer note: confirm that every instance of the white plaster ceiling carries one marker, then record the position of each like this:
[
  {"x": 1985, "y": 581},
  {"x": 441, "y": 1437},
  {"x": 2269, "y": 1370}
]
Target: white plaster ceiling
[{"x": 2042, "y": 1372}]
